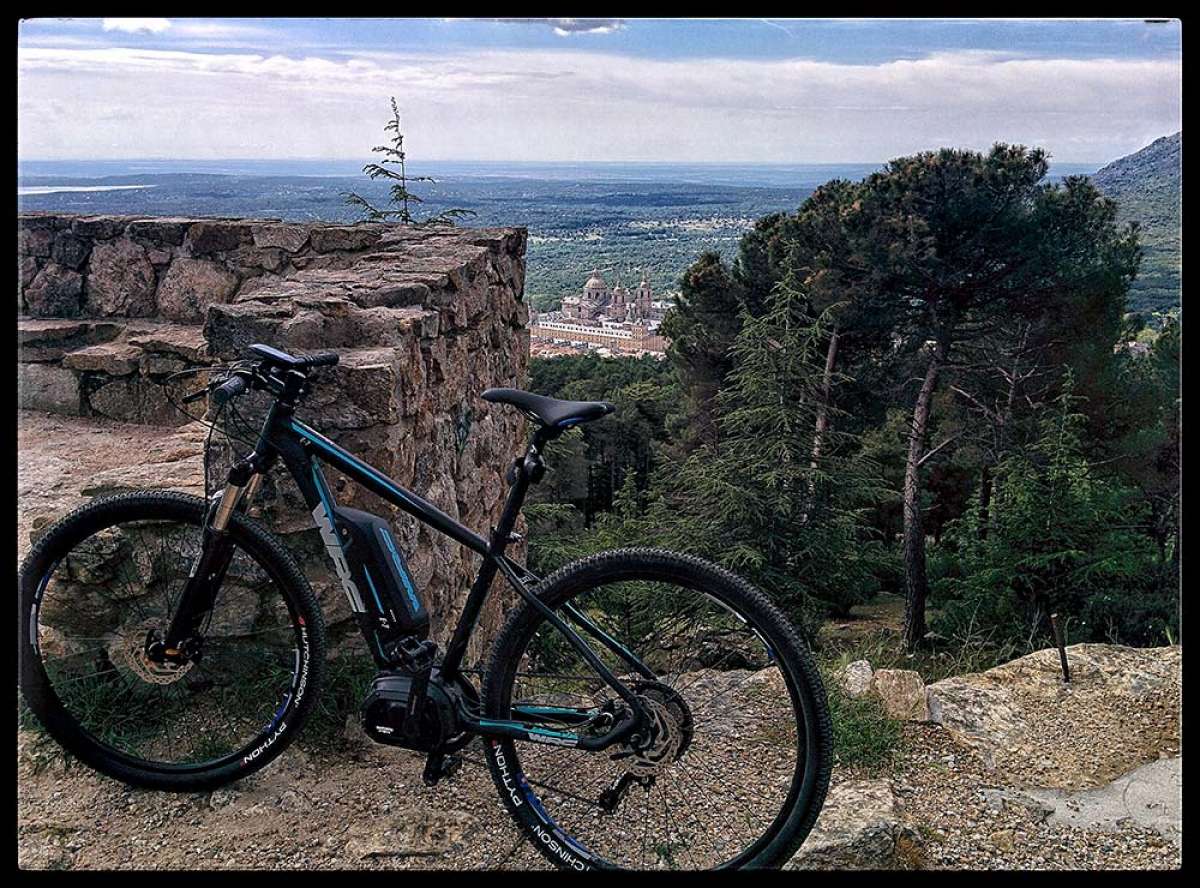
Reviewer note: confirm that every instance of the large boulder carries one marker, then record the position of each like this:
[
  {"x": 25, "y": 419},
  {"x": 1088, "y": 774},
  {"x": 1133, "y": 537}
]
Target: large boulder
[
  {"x": 855, "y": 678},
  {"x": 70, "y": 250},
  {"x": 48, "y": 387},
  {"x": 190, "y": 286},
  {"x": 48, "y": 339},
  {"x": 97, "y": 227},
  {"x": 902, "y": 692},
  {"x": 216, "y": 236},
  {"x": 187, "y": 342},
  {"x": 35, "y": 239},
  {"x": 112, "y": 358},
  {"x": 327, "y": 239},
  {"x": 1120, "y": 709},
  {"x": 27, "y": 269},
  {"x": 860, "y": 827},
  {"x": 291, "y": 238},
  {"x": 120, "y": 280},
  {"x": 160, "y": 231}
]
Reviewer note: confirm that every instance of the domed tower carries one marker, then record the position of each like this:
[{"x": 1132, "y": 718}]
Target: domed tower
[
  {"x": 642, "y": 297},
  {"x": 595, "y": 288},
  {"x": 620, "y": 297}
]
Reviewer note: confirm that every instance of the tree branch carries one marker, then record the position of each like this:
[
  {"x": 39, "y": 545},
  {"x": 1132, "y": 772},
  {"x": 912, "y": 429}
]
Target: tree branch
[{"x": 930, "y": 453}]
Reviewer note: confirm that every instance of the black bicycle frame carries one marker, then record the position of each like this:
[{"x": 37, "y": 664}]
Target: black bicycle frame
[{"x": 303, "y": 450}]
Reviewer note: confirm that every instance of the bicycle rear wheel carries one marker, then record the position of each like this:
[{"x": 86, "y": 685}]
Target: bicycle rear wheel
[
  {"x": 739, "y": 762},
  {"x": 103, "y": 582}
]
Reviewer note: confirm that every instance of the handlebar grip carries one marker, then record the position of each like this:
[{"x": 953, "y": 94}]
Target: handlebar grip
[
  {"x": 321, "y": 359},
  {"x": 228, "y": 390}
]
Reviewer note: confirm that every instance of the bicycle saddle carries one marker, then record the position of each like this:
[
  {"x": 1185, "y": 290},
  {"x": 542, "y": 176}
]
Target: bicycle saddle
[{"x": 549, "y": 411}]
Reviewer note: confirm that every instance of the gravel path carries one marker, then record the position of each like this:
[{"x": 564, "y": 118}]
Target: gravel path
[
  {"x": 367, "y": 809},
  {"x": 952, "y": 797}
]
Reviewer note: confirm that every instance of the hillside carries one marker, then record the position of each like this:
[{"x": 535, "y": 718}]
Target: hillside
[{"x": 1148, "y": 186}]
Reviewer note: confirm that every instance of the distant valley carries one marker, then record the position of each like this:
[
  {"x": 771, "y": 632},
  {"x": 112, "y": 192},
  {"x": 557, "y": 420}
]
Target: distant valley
[{"x": 615, "y": 217}]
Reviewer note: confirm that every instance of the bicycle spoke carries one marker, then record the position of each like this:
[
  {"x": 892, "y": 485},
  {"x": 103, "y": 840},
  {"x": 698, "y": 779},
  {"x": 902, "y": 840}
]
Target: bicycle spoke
[
  {"x": 207, "y": 709},
  {"x": 738, "y": 719}
]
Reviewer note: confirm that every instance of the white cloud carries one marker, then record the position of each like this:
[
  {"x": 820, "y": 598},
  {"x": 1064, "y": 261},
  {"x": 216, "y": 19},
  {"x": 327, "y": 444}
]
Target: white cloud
[
  {"x": 565, "y": 27},
  {"x": 219, "y": 31},
  {"x": 581, "y": 105},
  {"x": 137, "y": 25}
]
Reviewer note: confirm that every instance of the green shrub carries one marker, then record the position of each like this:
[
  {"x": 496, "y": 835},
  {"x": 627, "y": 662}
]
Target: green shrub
[
  {"x": 347, "y": 678},
  {"x": 1060, "y": 538},
  {"x": 865, "y": 738}
]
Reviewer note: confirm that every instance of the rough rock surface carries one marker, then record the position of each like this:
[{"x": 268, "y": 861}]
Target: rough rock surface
[
  {"x": 48, "y": 387},
  {"x": 1150, "y": 796},
  {"x": 113, "y": 358},
  {"x": 121, "y": 280},
  {"x": 860, "y": 827},
  {"x": 54, "y": 292},
  {"x": 902, "y": 692},
  {"x": 190, "y": 286},
  {"x": 1120, "y": 710},
  {"x": 855, "y": 678},
  {"x": 49, "y": 340}
]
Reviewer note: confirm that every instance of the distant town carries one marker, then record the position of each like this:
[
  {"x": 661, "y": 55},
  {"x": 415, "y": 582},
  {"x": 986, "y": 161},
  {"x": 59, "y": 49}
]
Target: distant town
[{"x": 615, "y": 322}]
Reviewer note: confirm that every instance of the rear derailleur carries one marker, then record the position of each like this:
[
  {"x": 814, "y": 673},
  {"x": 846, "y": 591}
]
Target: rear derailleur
[{"x": 611, "y": 798}]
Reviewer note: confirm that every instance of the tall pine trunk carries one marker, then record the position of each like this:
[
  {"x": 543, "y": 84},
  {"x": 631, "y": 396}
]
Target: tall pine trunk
[
  {"x": 916, "y": 580},
  {"x": 985, "y": 500},
  {"x": 822, "y": 423}
]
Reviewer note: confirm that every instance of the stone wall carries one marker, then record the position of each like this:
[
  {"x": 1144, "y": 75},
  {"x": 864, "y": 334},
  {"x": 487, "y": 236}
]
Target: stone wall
[{"x": 424, "y": 320}]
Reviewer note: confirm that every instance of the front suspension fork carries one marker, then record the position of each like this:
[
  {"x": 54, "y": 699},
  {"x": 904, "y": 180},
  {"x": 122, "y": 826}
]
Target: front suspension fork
[{"x": 208, "y": 571}]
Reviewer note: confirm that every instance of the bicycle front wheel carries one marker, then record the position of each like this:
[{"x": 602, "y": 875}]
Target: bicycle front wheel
[
  {"x": 102, "y": 585},
  {"x": 735, "y": 765}
]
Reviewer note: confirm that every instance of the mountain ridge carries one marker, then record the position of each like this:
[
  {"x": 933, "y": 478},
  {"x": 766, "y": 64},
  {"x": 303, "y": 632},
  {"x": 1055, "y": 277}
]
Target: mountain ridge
[{"x": 1148, "y": 188}]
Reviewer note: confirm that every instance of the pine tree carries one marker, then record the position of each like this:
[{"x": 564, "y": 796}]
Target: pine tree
[
  {"x": 1062, "y": 538},
  {"x": 757, "y": 501},
  {"x": 393, "y": 168}
]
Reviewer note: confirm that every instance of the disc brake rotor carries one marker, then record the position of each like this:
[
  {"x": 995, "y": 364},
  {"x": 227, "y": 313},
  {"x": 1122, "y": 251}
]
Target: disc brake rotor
[
  {"x": 669, "y": 732},
  {"x": 130, "y": 649}
]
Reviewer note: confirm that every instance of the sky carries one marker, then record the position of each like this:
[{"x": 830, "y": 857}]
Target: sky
[{"x": 699, "y": 90}]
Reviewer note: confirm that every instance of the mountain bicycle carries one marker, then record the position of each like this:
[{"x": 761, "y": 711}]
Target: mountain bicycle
[{"x": 640, "y": 708}]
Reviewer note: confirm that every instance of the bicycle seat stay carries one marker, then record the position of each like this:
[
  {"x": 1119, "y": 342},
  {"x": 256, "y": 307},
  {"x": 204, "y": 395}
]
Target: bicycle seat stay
[{"x": 551, "y": 412}]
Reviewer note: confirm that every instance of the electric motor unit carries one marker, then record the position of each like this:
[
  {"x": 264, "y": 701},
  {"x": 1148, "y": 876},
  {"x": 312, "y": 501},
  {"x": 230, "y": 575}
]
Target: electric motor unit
[{"x": 392, "y": 716}]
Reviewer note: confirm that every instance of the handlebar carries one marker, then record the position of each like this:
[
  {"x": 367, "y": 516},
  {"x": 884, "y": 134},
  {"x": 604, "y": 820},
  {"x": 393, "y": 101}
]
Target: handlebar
[
  {"x": 264, "y": 375},
  {"x": 229, "y": 389},
  {"x": 321, "y": 359}
]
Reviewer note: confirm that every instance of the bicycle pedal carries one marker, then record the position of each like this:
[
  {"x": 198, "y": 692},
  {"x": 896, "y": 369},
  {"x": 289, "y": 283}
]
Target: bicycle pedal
[{"x": 440, "y": 767}]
